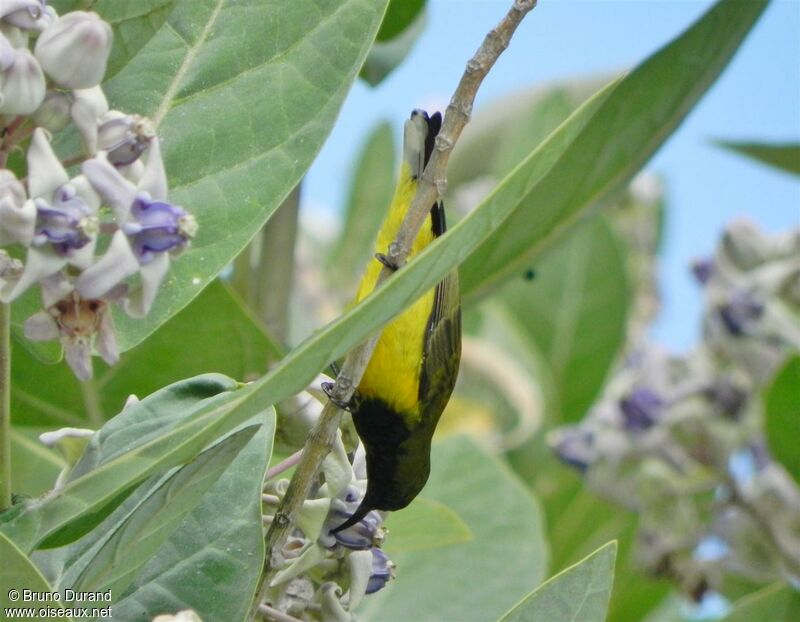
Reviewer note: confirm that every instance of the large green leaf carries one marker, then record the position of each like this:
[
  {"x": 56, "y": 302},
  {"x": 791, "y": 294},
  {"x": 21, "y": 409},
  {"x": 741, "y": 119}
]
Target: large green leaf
[
  {"x": 386, "y": 56},
  {"x": 370, "y": 194},
  {"x": 171, "y": 427},
  {"x": 785, "y": 157},
  {"x": 244, "y": 94},
  {"x": 426, "y": 524},
  {"x": 134, "y": 24},
  {"x": 34, "y": 467},
  {"x": 400, "y": 14},
  {"x": 475, "y": 580},
  {"x": 18, "y": 573},
  {"x": 578, "y": 522},
  {"x": 401, "y": 27},
  {"x": 783, "y": 416},
  {"x": 213, "y": 561},
  {"x": 113, "y": 561},
  {"x": 215, "y": 332},
  {"x": 505, "y": 131},
  {"x": 633, "y": 121},
  {"x": 776, "y": 603},
  {"x": 574, "y": 312},
  {"x": 580, "y": 592}
]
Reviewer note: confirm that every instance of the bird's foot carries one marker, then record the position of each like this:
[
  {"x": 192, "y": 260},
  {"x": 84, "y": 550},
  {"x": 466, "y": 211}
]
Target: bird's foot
[
  {"x": 348, "y": 405},
  {"x": 384, "y": 259}
]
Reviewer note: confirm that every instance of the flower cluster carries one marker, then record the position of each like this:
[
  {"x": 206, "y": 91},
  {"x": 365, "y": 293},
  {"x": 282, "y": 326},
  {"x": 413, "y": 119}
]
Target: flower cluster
[
  {"x": 52, "y": 222},
  {"x": 327, "y": 575},
  {"x": 680, "y": 440}
]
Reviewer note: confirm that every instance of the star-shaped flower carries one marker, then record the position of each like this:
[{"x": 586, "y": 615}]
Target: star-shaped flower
[
  {"x": 150, "y": 230},
  {"x": 58, "y": 222}
]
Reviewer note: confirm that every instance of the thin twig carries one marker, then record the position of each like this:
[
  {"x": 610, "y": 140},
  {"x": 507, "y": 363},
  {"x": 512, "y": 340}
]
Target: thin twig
[
  {"x": 276, "y": 615},
  {"x": 283, "y": 465},
  {"x": 430, "y": 188}
]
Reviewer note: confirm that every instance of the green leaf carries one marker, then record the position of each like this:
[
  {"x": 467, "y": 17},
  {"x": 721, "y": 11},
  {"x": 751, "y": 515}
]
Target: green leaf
[
  {"x": 172, "y": 426},
  {"x": 574, "y": 312},
  {"x": 425, "y": 524},
  {"x": 475, "y": 580},
  {"x": 775, "y": 603},
  {"x": 785, "y": 157},
  {"x": 580, "y": 592},
  {"x": 134, "y": 24},
  {"x": 578, "y": 522},
  {"x": 222, "y": 536},
  {"x": 400, "y": 14},
  {"x": 385, "y": 56},
  {"x": 634, "y": 119},
  {"x": 507, "y": 130},
  {"x": 112, "y": 563},
  {"x": 34, "y": 467},
  {"x": 370, "y": 192},
  {"x": 214, "y": 332},
  {"x": 244, "y": 96},
  {"x": 18, "y": 573},
  {"x": 782, "y": 402}
]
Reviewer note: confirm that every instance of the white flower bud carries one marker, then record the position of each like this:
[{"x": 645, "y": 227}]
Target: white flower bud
[
  {"x": 6, "y": 53},
  {"x": 23, "y": 85},
  {"x": 26, "y": 14},
  {"x": 74, "y": 50},
  {"x": 124, "y": 137},
  {"x": 745, "y": 245},
  {"x": 54, "y": 113}
]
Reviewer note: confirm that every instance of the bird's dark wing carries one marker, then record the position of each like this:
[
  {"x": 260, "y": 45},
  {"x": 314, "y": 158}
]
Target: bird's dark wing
[{"x": 442, "y": 348}]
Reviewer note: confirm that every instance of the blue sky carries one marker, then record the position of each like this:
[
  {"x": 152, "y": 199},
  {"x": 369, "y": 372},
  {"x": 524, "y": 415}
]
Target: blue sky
[{"x": 758, "y": 97}]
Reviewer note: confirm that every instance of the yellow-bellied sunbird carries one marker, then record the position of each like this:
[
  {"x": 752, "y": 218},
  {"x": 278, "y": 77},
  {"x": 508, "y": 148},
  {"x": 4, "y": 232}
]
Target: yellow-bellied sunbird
[{"x": 413, "y": 369}]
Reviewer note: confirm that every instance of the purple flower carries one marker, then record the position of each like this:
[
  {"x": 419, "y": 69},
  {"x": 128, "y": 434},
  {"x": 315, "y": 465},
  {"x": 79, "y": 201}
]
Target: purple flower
[
  {"x": 68, "y": 224},
  {"x": 740, "y": 314},
  {"x": 58, "y": 223},
  {"x": 574, "y": 446},
  {"x": 158, "y": 227},
  {"x": 359, "y": 537},
  {"x": 702, "y": 269},
  {"x": 150, "y": 230},
  {"x": 382, "y": 571},
  {"x": 641, "y": 409}
]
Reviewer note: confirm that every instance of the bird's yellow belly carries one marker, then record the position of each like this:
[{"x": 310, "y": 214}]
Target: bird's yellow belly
[{"x": 394, "y": 369}]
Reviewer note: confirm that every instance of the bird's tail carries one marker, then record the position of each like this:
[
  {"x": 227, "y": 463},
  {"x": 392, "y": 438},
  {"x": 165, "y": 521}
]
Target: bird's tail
[{"x": 418, "y": 139}]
